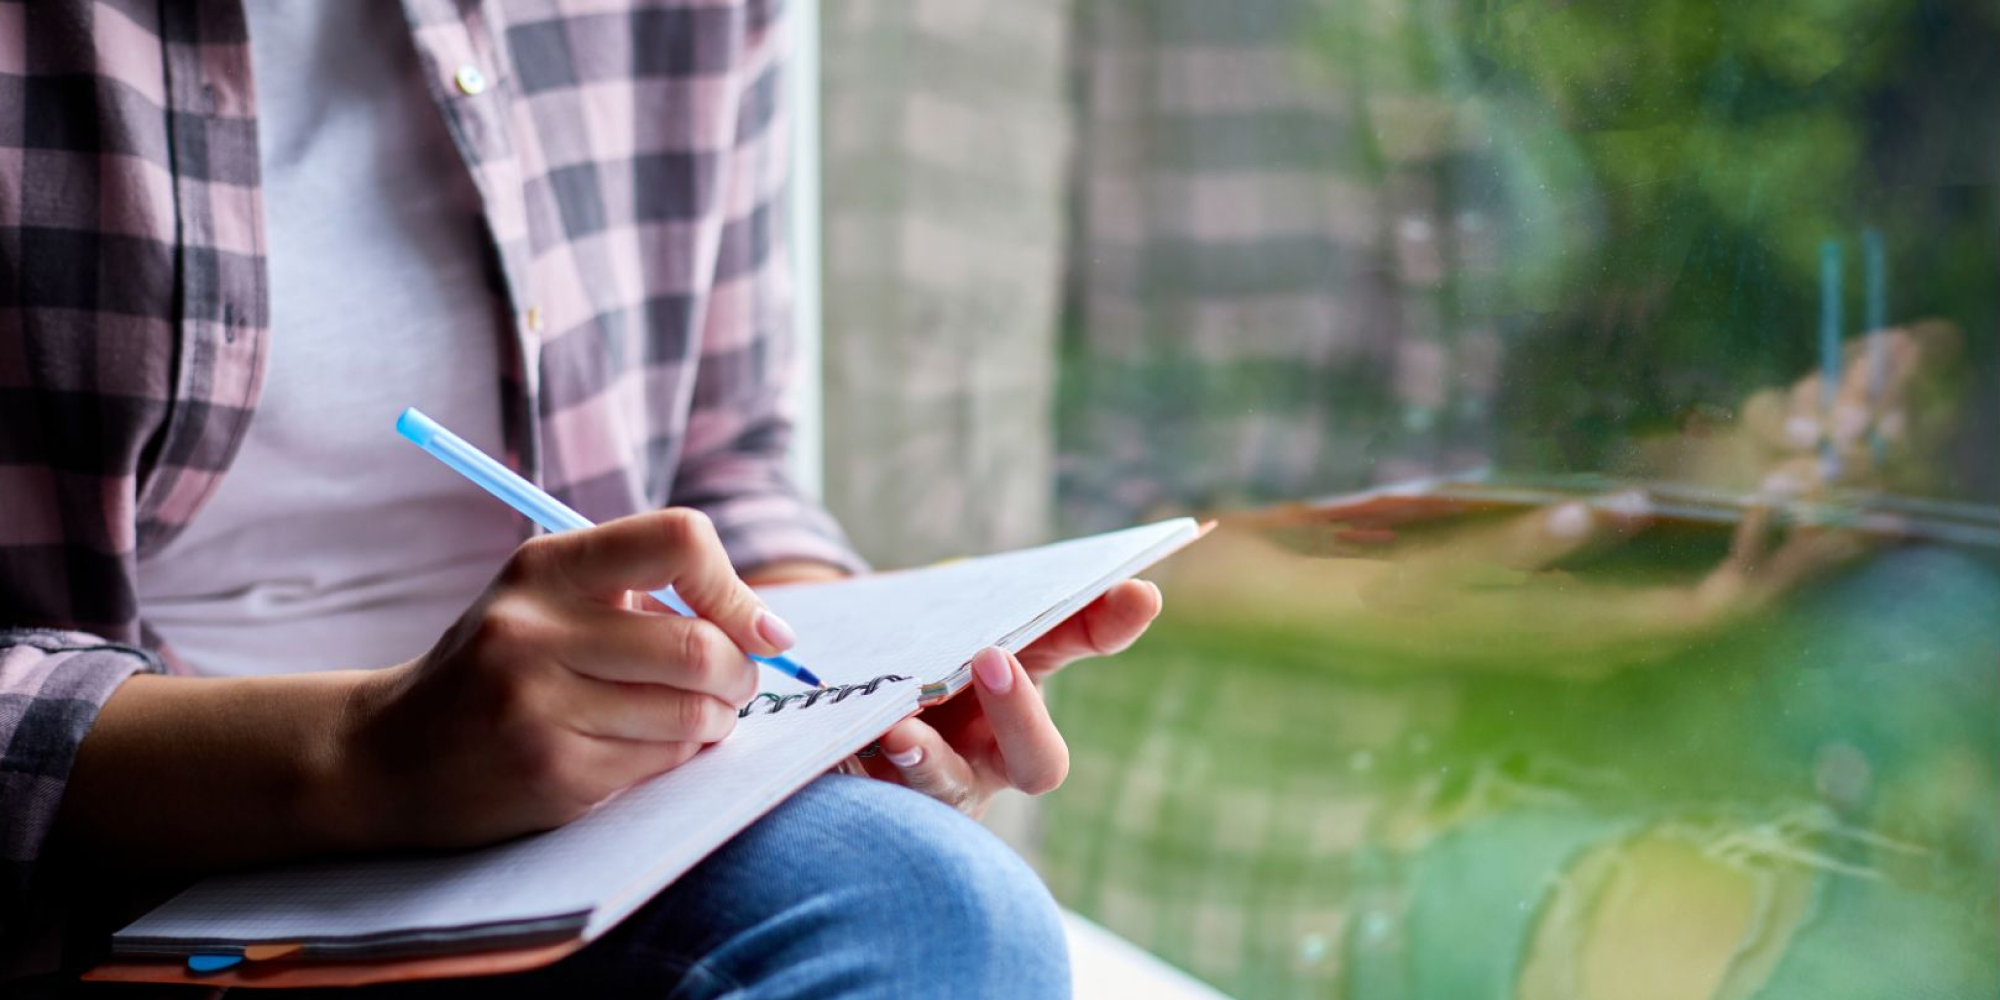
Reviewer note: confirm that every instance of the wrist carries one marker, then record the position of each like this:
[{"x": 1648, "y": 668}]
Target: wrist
[{"x": 344, "y": 797}]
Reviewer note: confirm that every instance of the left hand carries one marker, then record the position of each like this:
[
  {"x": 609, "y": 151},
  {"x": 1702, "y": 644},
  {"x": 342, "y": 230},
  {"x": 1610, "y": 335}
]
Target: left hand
[{"x": 963, "y": 751}]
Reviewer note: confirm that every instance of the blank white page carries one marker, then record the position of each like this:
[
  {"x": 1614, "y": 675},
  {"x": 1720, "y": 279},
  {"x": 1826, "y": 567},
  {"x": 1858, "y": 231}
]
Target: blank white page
[{"x": 927, "y": 623}]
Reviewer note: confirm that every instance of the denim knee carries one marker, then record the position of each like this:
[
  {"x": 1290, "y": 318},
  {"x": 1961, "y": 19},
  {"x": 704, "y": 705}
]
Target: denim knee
[
  {"x": 934, "y": 888},
  {"x": 945, "y": 884},
  {"x": 859, "y": 888},
  {"x": 854, "y": 889}
]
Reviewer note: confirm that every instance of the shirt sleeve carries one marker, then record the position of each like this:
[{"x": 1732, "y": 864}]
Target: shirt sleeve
[
  {"x": 52, "y": 685},
  {"x": 733, "y": 464}
]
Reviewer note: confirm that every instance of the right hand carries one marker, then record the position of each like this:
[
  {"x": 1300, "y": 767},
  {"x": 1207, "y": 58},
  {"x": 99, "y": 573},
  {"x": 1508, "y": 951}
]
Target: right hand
[
  {"x": 1881, "y": 425},
  {"x": 562, "y": 684}
]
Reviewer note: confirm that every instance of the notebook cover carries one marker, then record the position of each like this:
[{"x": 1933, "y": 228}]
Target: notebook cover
[
  {"x": 1368, "y": 523},
  {"x": 297, "y": 974}
]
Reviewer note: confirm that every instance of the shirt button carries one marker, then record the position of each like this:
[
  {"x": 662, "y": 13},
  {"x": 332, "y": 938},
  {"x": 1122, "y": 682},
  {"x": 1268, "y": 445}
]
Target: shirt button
[
  {"x": 533, "y": 318},
  {"x": 470, "y": 80}
]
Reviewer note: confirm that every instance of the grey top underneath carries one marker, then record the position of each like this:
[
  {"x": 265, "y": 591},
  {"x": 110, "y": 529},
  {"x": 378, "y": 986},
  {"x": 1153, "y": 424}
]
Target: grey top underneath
[{"x": 332, "y": 542}]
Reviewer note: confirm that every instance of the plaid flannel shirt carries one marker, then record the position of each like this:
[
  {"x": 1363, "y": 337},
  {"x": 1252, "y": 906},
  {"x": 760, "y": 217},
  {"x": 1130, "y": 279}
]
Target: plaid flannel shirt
[
  {"x": 631, "y": 157},
  {"x": 1276, "y": 268},
  {"x": 1273, "y": 291}
]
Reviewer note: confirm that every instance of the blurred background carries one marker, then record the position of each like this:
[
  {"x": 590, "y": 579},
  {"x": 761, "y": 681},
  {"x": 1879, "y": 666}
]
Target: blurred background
[{"x": 1678, "y": 679}]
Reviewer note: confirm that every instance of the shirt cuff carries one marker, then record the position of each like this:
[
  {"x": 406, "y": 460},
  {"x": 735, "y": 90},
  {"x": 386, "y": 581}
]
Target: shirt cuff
[
  {"x": 766, "y": 528},
  {"x": 52, "y": 686}
]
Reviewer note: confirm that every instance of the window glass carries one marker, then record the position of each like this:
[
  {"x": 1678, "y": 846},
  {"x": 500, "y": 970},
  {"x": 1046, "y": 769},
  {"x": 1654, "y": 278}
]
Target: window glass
[{"x": 1666, "y": 665}]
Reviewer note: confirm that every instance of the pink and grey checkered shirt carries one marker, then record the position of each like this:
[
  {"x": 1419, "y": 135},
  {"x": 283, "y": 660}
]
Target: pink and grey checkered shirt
[{"x": 631, "y": 157}]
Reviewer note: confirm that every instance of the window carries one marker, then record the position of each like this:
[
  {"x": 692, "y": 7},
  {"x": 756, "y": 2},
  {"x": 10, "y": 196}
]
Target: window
[{"x": 1680, "y": 673}]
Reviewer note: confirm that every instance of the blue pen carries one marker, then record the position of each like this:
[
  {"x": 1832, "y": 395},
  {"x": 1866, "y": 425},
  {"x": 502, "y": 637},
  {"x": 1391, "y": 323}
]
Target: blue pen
[
  {"x": 1877, "y": 270},
  {"x": 1830, "y": 287},
  {"x": 540, "y": 507}
]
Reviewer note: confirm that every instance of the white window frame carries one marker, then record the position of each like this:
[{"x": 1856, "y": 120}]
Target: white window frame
[{"x": 808, "y": 457}]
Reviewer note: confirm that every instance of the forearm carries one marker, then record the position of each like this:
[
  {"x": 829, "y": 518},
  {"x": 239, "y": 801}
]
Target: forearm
[{"x": 189, "y": 773}]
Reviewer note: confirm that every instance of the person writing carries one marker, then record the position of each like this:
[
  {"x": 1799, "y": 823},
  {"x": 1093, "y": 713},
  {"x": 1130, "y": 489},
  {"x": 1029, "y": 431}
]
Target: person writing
[{"x": 239, "y": 625}]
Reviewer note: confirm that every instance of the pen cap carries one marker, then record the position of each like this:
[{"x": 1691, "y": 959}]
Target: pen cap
[
  {"x": 420, "y": 429},
  {"x": 488, "y": 472}
]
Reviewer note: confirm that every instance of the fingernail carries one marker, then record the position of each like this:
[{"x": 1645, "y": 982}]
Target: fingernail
[
  {"x": 995, "y": 674},
  {"x": 1630, "y": 505},
  {"x": 1571, "y": 520},
  {"x": 908, "y": 758},
  {"x": 774, "y": 630},
  {"x": 1783, "y": 485}
]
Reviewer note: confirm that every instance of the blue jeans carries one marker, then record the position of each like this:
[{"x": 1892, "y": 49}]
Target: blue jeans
[{"x": 854, "y": 888}]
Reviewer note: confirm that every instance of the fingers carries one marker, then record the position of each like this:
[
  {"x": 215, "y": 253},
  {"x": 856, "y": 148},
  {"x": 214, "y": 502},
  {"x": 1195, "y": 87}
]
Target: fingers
[
  {"x": 1543, "y": 537},
  {"x": 1768, "y": 417},
  {"x": 1568, "y": 527},
  {"x": 648, "y": 713},
  {"x": 1105, "y": 626},
  {"x": 1012, "y": 741},
  {"x": 926, "y": 763},
  {"x": 1876, "y": 372},
  {"x": 1794, "y": 478},
  {"x": 614, "y": 764},
  {"x": 1806, "y": 550},
  {"x": 711, "y": 587},
  {"x": 629, "y": 647},
  {"x": 668, "y": 548},
  {"x": 1810, "y": 552},
  {"x": 1032, "y": 750},
  {"x": 1863, "y": 426},
  {"x": 641, "y": 552},
  {"x": 1752, "y": 536}
]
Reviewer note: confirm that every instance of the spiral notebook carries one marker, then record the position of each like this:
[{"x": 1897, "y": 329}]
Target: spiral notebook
[{"x": 884, "y": 644}]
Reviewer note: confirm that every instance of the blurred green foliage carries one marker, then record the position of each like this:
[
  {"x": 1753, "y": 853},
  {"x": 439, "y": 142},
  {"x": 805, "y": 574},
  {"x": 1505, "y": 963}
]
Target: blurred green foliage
[{"x": 1664, "y": 174}]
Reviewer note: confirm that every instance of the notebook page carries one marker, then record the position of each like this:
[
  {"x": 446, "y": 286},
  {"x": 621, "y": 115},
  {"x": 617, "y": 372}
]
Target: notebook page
[
  {"x": 630, "y": 846},
  {"x": 927, "y": 623}
]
